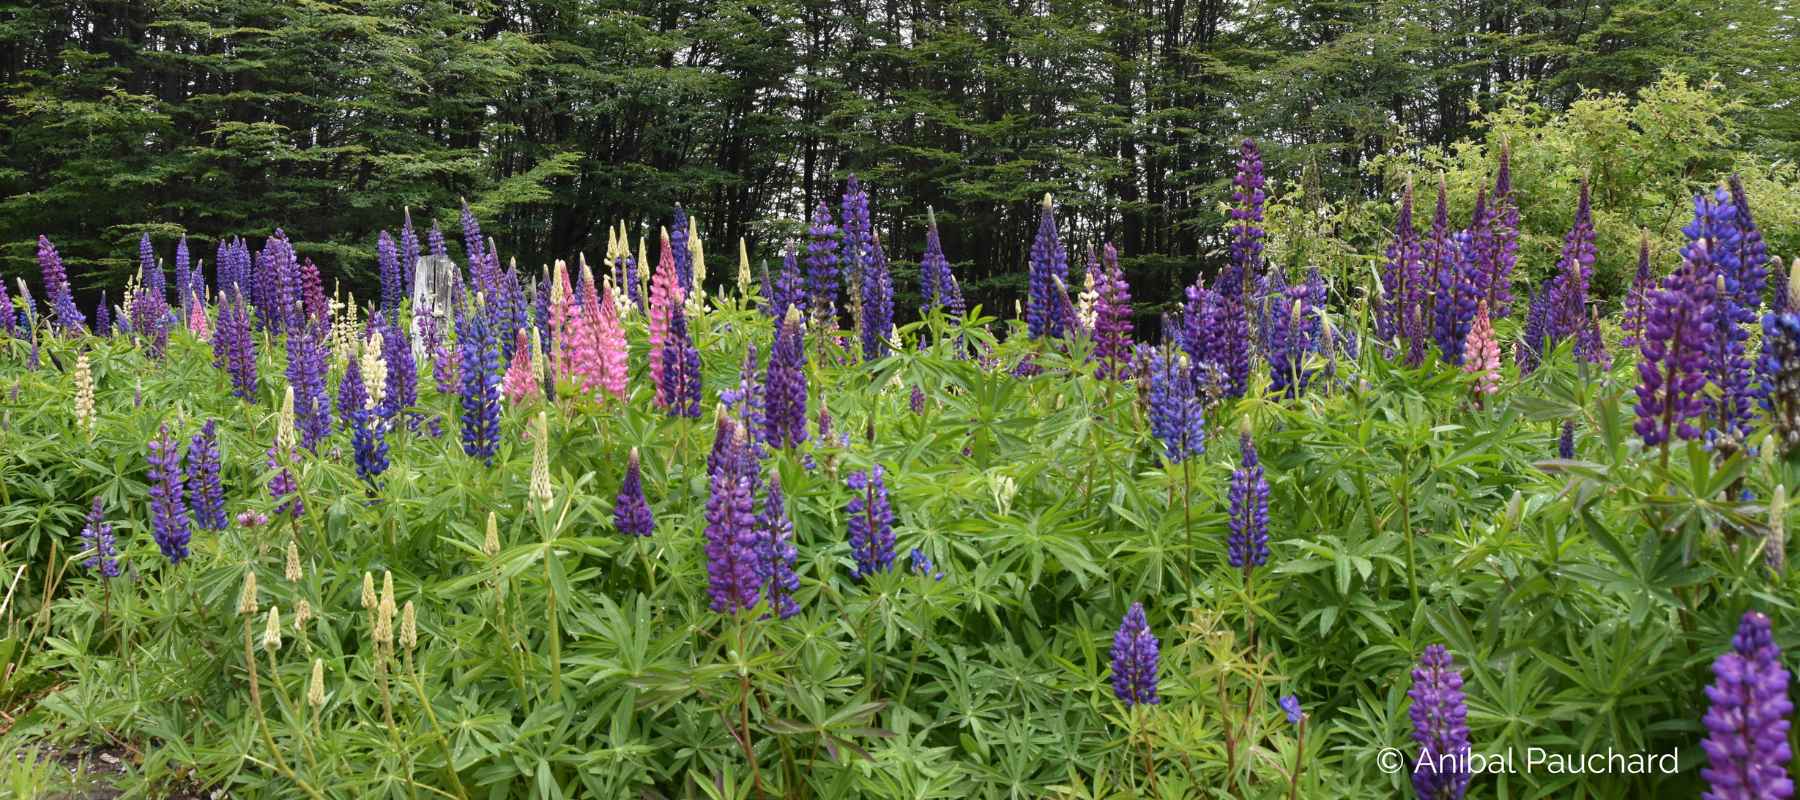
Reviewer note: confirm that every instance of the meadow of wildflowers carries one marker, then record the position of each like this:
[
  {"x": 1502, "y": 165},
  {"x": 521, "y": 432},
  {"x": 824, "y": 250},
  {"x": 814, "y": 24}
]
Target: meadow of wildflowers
[{"x": 636, "y": 525}]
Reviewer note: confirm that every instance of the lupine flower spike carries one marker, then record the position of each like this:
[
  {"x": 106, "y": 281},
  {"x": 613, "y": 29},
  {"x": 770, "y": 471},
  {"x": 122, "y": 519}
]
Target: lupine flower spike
[
  {"x": 168, "y": 497},
  {"x": 1134, "y": 656},
  {"x": 1440, "y": 725},
  {"x": 871, "y": 523},
  {"x": 1248, "y": 544},
  {"x": 1677, "y": 327},
  {"x": 731, "y": 539},
  {"x": 98, "y": 537},
  {"x": 1481, "y": 355},
  {"x": 1746, "y": 745},
  {"x": 631, "y": 512}
]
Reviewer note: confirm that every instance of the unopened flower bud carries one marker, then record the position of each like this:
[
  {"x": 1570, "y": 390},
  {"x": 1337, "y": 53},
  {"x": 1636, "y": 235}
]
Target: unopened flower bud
[
  {"x": 272, "y": 634},
  {"x": 247, "y": 598}
]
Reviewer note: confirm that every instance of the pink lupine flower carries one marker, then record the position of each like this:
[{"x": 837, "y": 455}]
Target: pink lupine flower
[
  {"x": 197, "y": 321},
  {"x": 1481, "y": 354},
  {"x": 521, "y": 383},
  {"x": 665, "y": 293}
]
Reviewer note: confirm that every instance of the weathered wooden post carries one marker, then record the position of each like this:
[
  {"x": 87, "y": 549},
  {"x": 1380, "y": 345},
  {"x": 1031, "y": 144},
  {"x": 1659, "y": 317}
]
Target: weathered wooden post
[{"x": 434, "y": 279}]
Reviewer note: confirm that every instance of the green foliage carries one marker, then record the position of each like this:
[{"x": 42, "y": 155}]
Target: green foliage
[{"x": 1583, "y": 598}]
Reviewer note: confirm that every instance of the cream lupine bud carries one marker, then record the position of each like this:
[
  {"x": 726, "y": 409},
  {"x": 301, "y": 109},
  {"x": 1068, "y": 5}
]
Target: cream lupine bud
[
  {"x": 315, "y": 689},
  {"x": 546, "y": 374},
  {"x": 302, "y": 615},
  {"x": 368, "y": 592},
  {"x": 84, "y": 394},
  {"x": 540, "y": 463},
  {"x": 409, "y": 627},
  {"x": 284, "y": 421},
  {"x": 490, "y": 546},
  {"x": 743, "y": 267},
  {"x": 1085, "y": 311},
  {"x": 272, "y": 634},
  {"x": 374, "y": 370},
  {"x": 387, "y": 589},
  {"x": 1793, "y": 284},
  {"x": 247, "y": 598},
  {"x": 294, "y": 572}
]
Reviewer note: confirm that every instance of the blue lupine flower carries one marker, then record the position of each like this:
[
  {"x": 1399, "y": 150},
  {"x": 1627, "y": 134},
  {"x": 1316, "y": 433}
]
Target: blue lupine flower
[
  {"x": 1134, "y": 654},
  {"x": 871, "y": 523}
]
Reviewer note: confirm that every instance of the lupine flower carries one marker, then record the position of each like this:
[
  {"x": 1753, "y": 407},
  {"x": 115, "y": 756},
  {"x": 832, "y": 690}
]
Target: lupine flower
[
  {"x": 1089, "y": 297},
  {"x": 1746, "y": 744},
  {"x": 921, "y": 564},
  {"x": 1492, "y": 275},
  {"x": 196, "y": 321},
  {"x": 1567, "y": 314},
  {"x": 1637, "y": 296},
  {"x": 184, "y": 280},
  {"x": 1248, "y": 544},
  {"x": 1291, "y": 706},
  {"x": 633, "y": 284},
  {"x": 1753, "y": 254},
  {"x": 1454, "y": 309},
  {"x": 1672, "y": 367},
  {"x": 392, "y": 284},
  {"x": 368, "y": 430},
  {"x": 1134, "y": 654},
  {"x": 99, "y": 537},
  {"x": 934, "y": 269},
  {"x": 745, "y": 400},
  {"x": 784, "y": 398},
  {"x": 871, "y": 523},
  {"x": 1780, "y": 364},
  {"x": 153, "y": 274},
  {"x": 916, "y": 403},
  {"x": 631, "y": 512},
  {"x": 788, "y": 289},
  {"x": 69, "y": 319},
  {"x": 1439, "y": 716},
  {"x": 1049, "y": 265},
  {"x": 599, "y": 341},
  {"x": 665, "y": 294},
  {"x": 1532, "y": 340},
  {"x": 822, "y": 270},
  {"x": 1112, "y": 317},
  {"x": 409, "y": 253},
  {"x": 149, "y": 320},
  {"x": 681, "y": 367},
  {"x": 1505, "y": 223},
  {"x": 402, "y": 389},
  {"x": 85, "y": 418},
  {"x": 1565, "y": 444},
  {"x": 205, "y": 492},
  {"x": 1481, "y": 354},
  {"x": 317, "y": 310},
  {"x": 683, "y": 259},
  {"x": 877, "y": 302},
  {"x": 1229, "y": 329},
  {"x": 1176, "y": 416},
  {"x": 731, "y": 538},
  {"x": 855, "y": 252},
  {"x": 9, "y": 320},
  {"x": 775, "y": 535},
  {"x": 168, "y": 497},
  {"x": 306, "y": 367},
  {"x": 520, "y": 382},
  {"x": 1728, "y": 368},
  {"x": 1290, "y": 340},
  {"x": 102, "y": 315},
  {"x": 480, "y": 367}
]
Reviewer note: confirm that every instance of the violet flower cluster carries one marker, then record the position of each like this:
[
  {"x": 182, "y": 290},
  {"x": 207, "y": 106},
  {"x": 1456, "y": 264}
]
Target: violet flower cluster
[
  {"x": 871, "y": 523},
  {"x": 1049, "y": 266},
  {"x": 234, "y": 344},
  {"x": 1746, "y": 743},
  {"x": 684, "y": 257},
  {"x": 1780, "y": 365},
  {"x": 1637, "y": 296},
  {"x": 1134, "y": 654},
  {"x": 788, "y": 289},
  {"x": 205, "y": 490},
  {"x": 368, "y": 429},
  {"x": 1112, "y": 317},
  {"x": 1405, "y": 288},
  {"x": 479, "y": 356},
  {"x": 784, "y": 389},
  {"x": 877, "y": 303},
  {"x": 1248, "y": 543},
  {"x": 1566, "y": 316},
  {"x": 681, "y": 366},
  {"x": 99, "y": 538},
  {"x": 69, "y": 319},
  {"x": 168, "y": 497},
  {"x": 306, "y": 368},
  {"x": 392, "y": 283},
  {"x": 731, "y": 541},
  {"x": 1176, "y": 416},
  {"x": 1290, "y": 324},
  {"x": 1229, "y": 328},
  {"x": 1729, "y": 405},
  {"x": 775, "y": 537},
  {"x": 822, "y": 270},
  {"x": 935, "y": 281},
  {"x": 631, "y": 512},
  {"x": 1672, "y": 367},
  {"x": 1439, "y": 715}
]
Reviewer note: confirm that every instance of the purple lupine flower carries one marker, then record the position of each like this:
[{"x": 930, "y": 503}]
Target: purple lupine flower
[
  {"x": 1728, "y": 369},
  {"x": 306, "y": 368},
  {"x": 731, "y": 537},
  {"x": 1290, "y": 340},
  {"x": 922, "y": 565},
  {"x": 631, "y": 512},
  {"x": 1456, "y": 299},
  {"x": 1176, "y": 416},
  {"x": 1248, "y": 544},
  {"x": 234, "y": 346},
  {"x": 1753, "y": 253},
  {"x": 153, "y": 274},
  {"x": 1565, "y": 444},
  {"x": 1229, "y": 335},
  {"x": 479, "y": 354},
  {"x": 1290, "y": 705},
  {"x": 916, "y": 403},
  {"x": 775, "y": 536},
  {"x": 1483, "y": 257},
  {"x": 857, "y": 237},
  {"x": 627, "y": 265},
  {"x": 102, "y": 315},
  {"x": 1637, "y": 296},
  {"x": 205, "y": 491},
  {"x": 1440, "y": 725},
  {"x": 391, "y": 282},
  {"x": 684, "y": 258},
  {"x": 934, "y": 269},
  {"x": 434, "y": 239},
  {"x": 1049, "y": 266},
  {"x": 1672, "y": 367},
  {"x": 1505, "y": 225},
  {"x": 1271, "y": 293},
  {"x": 409, "y": 254},
  {"x": 1780, "y": 365},
  {"x": 8, "y": 319},
  {"x": 69, "y": 319},
  {"x": 784, "y": 389},
  {"x": 681, "y": 366},
  {"x": 1112, "y": 317},
  {"x": 475, "y": 252},
  {"x": 1134, "y": 654},
  {"x": 1567, "y": 314},
  {"x": 368, "y": 429},
  {"x": 871, "y": 523},
  {"x": 877, "y": 301},
  {"x": 745, "y": 400},
  {"x": 402, "y": 372},
  {"x": 1746, "y": 743},
  {"x": 184, "y": 282},
  {"x": 312, "y": 284},
  {"x": 99, "y": 537},
  {"x": 353, "y": 394},
  {"x": 443, "y": 354},
  {"x": 168, "y": 497},
  {"x": 822, "y": 270},
  {"x": 1532, "y": 339},
  {"x": 788, "y": 290},
  {"x": 1193, "y": 332}
]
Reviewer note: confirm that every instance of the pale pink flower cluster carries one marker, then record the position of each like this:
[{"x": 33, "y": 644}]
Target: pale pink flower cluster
[{"x": 1481, "y": 355}]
